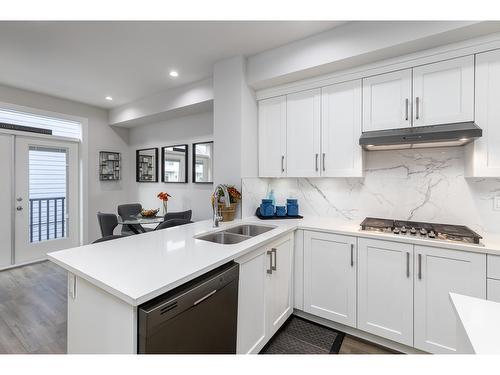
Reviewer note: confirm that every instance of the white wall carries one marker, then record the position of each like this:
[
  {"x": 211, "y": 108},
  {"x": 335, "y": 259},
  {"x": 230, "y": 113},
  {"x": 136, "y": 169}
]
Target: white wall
[
  {"x": 102, "y": 196},
  {"x": 182, "y": 130}
]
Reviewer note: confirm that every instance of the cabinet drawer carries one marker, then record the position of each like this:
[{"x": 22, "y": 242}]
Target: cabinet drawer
[
  {"x": 493, "y": 290},
  {"x": 493, "y": 267}
]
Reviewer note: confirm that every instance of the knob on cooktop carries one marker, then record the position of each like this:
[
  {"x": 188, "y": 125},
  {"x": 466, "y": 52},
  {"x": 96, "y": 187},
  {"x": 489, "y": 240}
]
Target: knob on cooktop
[
  {"x": 395, "y": 230},
  {"x": 423, "y": 231},
  {"x": 403, "y": 229},
  {"x": 413, "y": 230},
  {"x": 432, "y": 234}
]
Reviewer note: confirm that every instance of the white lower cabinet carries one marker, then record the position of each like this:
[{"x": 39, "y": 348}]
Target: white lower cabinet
[
  {"x": 437, "y": 273},
  {"x": 330, "y": 263},
  {"x": 385, "y": 289},
  {"x": 493, "y": 290},
  {"x": 265, "y": 293}
]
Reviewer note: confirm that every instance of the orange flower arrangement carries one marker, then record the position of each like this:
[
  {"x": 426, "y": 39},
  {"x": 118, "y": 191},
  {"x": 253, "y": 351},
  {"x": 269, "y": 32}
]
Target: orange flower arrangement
[{"x": 164, "y": 196}]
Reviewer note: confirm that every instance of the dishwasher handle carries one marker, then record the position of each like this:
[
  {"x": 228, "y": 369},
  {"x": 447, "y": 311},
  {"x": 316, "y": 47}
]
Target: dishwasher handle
[{"x": 204, "y": 298}]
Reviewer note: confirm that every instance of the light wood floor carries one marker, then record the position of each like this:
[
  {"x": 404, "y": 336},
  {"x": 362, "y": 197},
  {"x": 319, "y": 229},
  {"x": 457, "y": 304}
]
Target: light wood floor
[
  {"x": 33, "y": 313},
  {"x": 33, "y": 309}
]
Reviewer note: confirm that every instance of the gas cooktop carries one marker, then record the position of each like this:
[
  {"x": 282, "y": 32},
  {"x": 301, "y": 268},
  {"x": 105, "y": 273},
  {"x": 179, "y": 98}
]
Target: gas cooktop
[{"x": 434, "y": 231}]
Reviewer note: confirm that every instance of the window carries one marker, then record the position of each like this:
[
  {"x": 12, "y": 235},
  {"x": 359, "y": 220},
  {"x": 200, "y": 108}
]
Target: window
[{"x": 59, "y": 127}]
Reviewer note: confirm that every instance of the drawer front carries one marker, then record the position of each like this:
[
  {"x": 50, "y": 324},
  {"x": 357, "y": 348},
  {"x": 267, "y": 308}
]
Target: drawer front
[{"x": 493, "y": 267}]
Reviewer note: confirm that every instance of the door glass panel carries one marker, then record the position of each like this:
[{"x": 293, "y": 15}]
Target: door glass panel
[{"x": 48, "y": 181}]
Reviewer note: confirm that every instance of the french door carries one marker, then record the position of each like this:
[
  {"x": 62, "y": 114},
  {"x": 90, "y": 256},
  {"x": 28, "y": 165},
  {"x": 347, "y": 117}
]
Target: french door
[{"x": 46, "y": 197}]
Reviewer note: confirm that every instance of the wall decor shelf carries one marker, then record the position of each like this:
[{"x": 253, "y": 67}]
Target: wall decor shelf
[{"x": 109, "y": 166}]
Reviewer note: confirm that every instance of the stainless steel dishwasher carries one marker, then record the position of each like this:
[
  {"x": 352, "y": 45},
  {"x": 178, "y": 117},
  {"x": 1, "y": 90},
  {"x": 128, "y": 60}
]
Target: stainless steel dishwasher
[{"x": 198, "y": 317}]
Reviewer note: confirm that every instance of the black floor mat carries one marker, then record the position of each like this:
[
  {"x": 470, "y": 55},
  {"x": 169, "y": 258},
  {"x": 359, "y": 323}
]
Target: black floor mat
[{"x": 300, "y": 336}]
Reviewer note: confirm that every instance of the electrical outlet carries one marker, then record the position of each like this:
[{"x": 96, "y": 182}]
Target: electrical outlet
[{"x": 496, "y": 203}]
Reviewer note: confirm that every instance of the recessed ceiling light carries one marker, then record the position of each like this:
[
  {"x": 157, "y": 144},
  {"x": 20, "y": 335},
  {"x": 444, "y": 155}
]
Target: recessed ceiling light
[
  {"x": 108, "y": 98},
  {"x": 173, "y": 73}
]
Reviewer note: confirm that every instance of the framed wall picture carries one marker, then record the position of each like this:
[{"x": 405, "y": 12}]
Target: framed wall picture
[
  {"x": 174, "y": 163},
  {"x": 109, "y": 166},
  {"x": 203, "y": 162},
  {"x": 146, "y": 164}
]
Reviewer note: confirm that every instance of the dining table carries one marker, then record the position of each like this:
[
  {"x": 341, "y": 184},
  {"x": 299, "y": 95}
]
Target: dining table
[{"x": 135, "y": 223}]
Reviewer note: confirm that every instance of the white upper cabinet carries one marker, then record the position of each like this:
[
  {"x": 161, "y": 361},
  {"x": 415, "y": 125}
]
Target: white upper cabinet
[
  {"x": 385, "y": 289},
  {"x": 443, "y": 92},
  {"x": 387, "y": 101},
  {"x": 272, "y": 137},
  {"x": 437, "y": 273},
  {"x": 483, "y": 155},
  {"x": 303, "y": 133},
  {"x": 341, "y": 155},
  {"x": 330, "y": 263}
]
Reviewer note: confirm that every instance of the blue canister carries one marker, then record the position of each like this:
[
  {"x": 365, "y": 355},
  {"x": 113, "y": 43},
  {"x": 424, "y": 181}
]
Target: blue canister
[
  {"x": 280, "y": 210},
  {"x": 267, "y": 207},
  {"x": 292, "y": 207}
]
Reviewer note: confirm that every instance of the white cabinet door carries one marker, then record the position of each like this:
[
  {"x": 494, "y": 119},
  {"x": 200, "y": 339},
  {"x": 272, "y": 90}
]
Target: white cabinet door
[
  {"x": 443, "y": 92},
  {"x": 252, "y": 322},
  {"x": 385, "y": 289},
  {"x": 330, "y": 263},
  {"x": 493, "y": 290},
  {"x": 341, "y": 155},
  {"x": 303, "y": 114},
  {"x": 437, "y": 273},
  {"x": 272, "y": 137},
  {"x": 279, "y": 284},
  {"x": 387, "y": 101},
  {"x": 483, "y": 155}
]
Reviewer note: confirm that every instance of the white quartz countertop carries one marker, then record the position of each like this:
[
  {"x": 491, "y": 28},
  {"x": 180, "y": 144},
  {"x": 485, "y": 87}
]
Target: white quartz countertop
[
  {"x": 480, "y": 321},
  {"x": 141, "y": 267}
]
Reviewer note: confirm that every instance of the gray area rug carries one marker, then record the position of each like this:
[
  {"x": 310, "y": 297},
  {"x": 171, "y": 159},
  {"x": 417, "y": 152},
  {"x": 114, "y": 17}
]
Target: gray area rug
[{"x": 300, "y": 336}]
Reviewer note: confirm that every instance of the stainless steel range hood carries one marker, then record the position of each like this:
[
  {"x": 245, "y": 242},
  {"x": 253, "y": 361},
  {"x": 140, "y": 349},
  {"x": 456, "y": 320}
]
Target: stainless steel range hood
[{"x": 445, "y": 135}]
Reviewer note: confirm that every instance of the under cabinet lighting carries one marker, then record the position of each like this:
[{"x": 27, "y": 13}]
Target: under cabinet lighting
[
  {"x": 108, "y": 98},
  {"x": 173, "y": 73}
]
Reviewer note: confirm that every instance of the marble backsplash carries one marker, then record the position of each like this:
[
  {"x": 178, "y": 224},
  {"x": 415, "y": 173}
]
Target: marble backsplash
[{"x": 425, "y": 185}]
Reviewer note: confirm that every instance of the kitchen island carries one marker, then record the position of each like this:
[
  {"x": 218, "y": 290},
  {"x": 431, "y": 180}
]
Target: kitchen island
[{"x": 109, "y": 280}]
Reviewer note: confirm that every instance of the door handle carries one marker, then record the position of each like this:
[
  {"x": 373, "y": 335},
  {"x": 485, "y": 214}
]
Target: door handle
[
  {"x": 408, "y": 264},
  {"x": 420, "y": 266},
  {"x": 270, "y": 270},
  {"x": 19, "y": 208},
  {"x": 324, "y": 167},
  {"x": 352, "y": 255},
  {"x": 204, "y": 298},
  {"x": 406, "y": 110},
  {"x": 19, "y": 199},
  {"x": 417, "y": 110},
  {"x": 317, "y": 162},
  {"x": 282, "y": 163},
  {"x": 273, "y": 251}
]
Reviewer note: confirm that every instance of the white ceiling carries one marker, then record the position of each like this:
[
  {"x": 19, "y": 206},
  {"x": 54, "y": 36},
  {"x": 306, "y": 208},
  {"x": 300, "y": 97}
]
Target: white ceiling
[{"x": 86, "y": 61}]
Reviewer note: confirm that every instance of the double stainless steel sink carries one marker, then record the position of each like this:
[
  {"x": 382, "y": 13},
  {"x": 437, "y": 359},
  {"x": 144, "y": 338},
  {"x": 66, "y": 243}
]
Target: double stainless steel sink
[{"x": 236, "y": 234}]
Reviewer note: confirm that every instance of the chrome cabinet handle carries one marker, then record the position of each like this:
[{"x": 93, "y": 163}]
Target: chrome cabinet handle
[
  {"x": 270, "y": 270},
  {"x": 273, "y": 251},
  {"x": 417, "y": 110},
  {"x": 408, "y": 264},
  {"x": 352, "y": 255},
  {"x": 19, "y": 208},
  {"x": 406, "y": 111},
  {"x": 317, "y": 162},
  {"x": 282, "y": 163},
  {"x": 420, "y": 266},
  {"x": 324, "y": 167}
]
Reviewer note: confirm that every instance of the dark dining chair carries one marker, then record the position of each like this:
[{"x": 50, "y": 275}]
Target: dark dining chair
[
  {"x": 131, "y": 210},
  {"x": 172, "y": 223},
  {"x": 108, "y": 238},
  {"x": 107, "y": 223},
  {"x": 186, "y": 215}
]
